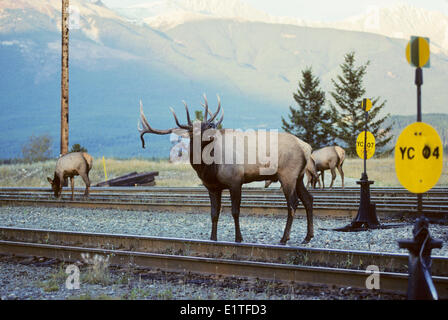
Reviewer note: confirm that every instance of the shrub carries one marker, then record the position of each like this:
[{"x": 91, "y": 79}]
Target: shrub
[{"x": 38, "y": 148}]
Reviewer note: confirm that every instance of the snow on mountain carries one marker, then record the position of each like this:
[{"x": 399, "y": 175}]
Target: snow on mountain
[
  {"x": 168, "y": 14},
  {"x": 34, "y": 15},
  {"x": 395, "y": 21},
  {"x": 401, "y": 21}
]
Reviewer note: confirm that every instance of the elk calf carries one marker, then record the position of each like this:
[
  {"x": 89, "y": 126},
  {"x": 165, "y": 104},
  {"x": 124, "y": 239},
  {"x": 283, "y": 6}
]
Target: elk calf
[
  {"x": 71, "y": 165},
  {"x": 327, "y": 158}
]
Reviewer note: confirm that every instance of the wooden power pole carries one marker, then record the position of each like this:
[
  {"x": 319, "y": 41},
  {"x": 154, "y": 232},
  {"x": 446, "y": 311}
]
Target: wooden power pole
[{"x": 64, "y": 78}]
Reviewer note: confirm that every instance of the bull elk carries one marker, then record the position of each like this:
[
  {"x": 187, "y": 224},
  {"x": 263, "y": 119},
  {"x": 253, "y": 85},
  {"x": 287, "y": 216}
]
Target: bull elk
[
  {"x": 327, "y": 158},
  {"x": 68, "y": 166},
  {"x": 288, "y": 157}
]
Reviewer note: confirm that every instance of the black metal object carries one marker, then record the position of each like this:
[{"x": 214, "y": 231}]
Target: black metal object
[
  {"x": 131, "y": 180},
  {"x": 418, "y": 83},
  {"x": 420, "y": 285},
  {"x": 366, "y": 218}
]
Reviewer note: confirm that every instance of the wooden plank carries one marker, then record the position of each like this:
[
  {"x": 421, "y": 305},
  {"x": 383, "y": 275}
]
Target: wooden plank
[{"x": 130, "y": 179}]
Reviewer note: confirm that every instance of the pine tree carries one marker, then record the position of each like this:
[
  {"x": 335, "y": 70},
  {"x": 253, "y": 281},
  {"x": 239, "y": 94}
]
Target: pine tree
[
  {"x": 310, "y": 121},
  {"x": 349, "y": 115}
]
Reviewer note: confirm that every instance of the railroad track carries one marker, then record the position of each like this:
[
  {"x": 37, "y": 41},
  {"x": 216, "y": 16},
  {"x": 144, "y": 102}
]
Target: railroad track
[
  {"x": 244, "y": 260},
  {"x": 390, "y": 202}
]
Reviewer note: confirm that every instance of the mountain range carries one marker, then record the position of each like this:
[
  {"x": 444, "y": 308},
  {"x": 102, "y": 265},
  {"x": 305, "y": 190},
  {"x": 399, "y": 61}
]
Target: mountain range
[{"x": 171, "y": 51}]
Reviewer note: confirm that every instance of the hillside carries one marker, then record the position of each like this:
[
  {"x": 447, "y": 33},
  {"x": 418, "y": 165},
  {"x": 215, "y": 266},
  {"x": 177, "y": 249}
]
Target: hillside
[
  {"x": 254, "y": 67},
  {"x": 438, "y": 120}
]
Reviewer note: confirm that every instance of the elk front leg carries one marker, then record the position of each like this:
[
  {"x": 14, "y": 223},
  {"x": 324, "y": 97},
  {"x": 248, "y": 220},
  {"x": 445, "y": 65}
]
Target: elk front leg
[
  {"x": 292, "y": 201},
  {"x": 215, "y": 200},
  {"x": 307, "y": 200},
  {"x": 235, "y": 195}
]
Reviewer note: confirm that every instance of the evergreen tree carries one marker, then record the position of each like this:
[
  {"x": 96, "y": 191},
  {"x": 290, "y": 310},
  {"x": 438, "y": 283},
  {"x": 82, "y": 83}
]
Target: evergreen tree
[
  {"x": 77, "y": 148},
  {"x": 348, "y": 113},
  {"x": 310, "y": 121}
]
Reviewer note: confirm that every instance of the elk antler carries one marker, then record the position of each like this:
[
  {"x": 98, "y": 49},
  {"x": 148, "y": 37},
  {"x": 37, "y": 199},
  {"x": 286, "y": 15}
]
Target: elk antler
[
  {"x": 220, "y": 120},
  {"x": 177, "y": 121},
  {"x": 147, "y": 128},
  {"x": 207, "y": 111},
  {"x": 206, "y": 108},
  {"x": 188, "y": 114}
]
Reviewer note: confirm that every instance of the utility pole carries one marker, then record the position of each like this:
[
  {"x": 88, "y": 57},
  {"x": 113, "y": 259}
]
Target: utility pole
[{"x": 64, "y": 78}]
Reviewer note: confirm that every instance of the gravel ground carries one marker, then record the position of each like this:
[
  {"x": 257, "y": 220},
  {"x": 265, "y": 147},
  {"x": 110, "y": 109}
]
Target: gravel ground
[
  {"x": 41, "y": 279},
  {"x": 31, "y": 279},
  {"x": 255, "y": 229}
]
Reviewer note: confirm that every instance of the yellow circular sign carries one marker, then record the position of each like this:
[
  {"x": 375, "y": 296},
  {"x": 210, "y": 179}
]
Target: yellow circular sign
[
  {"x": 417, "y": 52},
  {"x": 370, "y": 145},
  {"x": 418, "y": 157}
]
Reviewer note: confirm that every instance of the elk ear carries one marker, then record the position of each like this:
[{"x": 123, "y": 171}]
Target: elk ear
[{"x": 49, "y": 180}]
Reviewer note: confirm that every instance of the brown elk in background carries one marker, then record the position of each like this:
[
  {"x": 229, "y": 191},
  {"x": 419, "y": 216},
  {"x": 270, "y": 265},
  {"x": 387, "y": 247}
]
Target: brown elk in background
[
  {"x": 68, "y": 166},
  {"x": 291, "y": 160},
  {"x": 327, "y": 158}
]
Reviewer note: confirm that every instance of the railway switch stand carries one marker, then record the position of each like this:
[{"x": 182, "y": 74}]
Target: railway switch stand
[{"x": 420, "y": 284}]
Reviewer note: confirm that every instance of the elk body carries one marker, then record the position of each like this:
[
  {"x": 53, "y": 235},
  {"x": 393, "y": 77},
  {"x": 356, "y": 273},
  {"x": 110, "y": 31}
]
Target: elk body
[
  {"x": 289, "y": 153},
  {"x": 310, "y": 171},
  {"x": 68, "y": 166},
  {"x": 327, "y": 158}
]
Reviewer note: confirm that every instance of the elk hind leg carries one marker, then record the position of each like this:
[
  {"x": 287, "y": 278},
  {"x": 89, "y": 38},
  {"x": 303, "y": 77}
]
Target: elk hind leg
[
  {"x": 72, "y": 185},
  {"x": 322, "y": 174},
  {"x": 86, "y": 180},
  {"x": 235, "y": 195},
  {"x": 341, "y": 173}
]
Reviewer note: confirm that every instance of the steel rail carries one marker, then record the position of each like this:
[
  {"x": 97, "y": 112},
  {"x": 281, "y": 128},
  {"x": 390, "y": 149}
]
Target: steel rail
[
  {"x": 252, "y": 198},
  {"x": 390, "y": 202},
  {"x": 249, "y": 251},
  {"x": 328, "y": 210},
  {"x": 397, "y": 204},
  {"x": 225, "y": 267},
  {"x": 334, "y": 209},
  {"x": 247, "y": 190}
]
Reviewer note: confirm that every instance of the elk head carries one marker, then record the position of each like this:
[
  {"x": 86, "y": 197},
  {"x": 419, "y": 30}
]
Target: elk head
[
  {"x": 55, "y": 185},
  {"x": 183, "y": 129}
]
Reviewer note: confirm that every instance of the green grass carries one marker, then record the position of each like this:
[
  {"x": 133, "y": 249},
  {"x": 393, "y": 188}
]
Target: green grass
[
  {"x": 382, "y": 171},
  {"x": 54, "y": 280}
]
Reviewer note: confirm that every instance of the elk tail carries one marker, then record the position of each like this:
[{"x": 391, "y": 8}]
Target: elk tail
[
  {"x": 88, "y": 159},
  {"x": 341, "y": 155}
]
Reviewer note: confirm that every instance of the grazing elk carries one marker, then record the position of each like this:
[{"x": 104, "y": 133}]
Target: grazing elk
[
  {"x": 71, "y": 165},
  {"x": 324, "y": 159},
  {"x": 288, "y": 156}
]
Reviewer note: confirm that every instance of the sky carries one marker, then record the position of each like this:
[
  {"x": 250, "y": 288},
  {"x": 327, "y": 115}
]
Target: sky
[{"x": 316, "y": 10}]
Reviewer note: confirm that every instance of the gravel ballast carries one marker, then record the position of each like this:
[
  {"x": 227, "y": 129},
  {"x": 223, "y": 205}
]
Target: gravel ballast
[
  {"x": 255, "y": 229},
  {"x": 20, "y": 280}
]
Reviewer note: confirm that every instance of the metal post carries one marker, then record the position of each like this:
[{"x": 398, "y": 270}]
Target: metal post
[
  {"x": 64, "y": 79},
  {"x": 418, "y": 83},
  {"x": 364, "y": 177}
]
